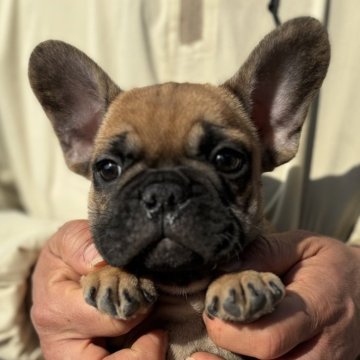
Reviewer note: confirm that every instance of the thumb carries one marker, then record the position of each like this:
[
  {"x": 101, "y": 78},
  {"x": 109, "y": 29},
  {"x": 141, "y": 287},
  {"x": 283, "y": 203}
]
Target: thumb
[
  {"x": 151, "y": 346},
  {"x": 276, "y": 252},
  {"x": 73, "y": 244}
]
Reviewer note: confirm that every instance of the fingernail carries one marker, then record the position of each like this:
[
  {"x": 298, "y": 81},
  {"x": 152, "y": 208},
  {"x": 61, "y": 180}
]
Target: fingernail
[
  {"x": 92, "y": 256},
  {"x": 189, "y": 358}
]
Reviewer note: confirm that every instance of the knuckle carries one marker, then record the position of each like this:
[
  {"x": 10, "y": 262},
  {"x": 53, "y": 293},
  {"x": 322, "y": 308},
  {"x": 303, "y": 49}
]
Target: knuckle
[
  {"x": 70, "y": 228},
  {"x": 39, "y": 316},
  {"x": 69, "y": 241},
  {"x": 45, "y": 318}
]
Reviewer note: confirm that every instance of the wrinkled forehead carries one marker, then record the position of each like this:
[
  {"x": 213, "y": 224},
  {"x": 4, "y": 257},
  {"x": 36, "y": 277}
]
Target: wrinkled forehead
[{"x": 165, "y": 120}]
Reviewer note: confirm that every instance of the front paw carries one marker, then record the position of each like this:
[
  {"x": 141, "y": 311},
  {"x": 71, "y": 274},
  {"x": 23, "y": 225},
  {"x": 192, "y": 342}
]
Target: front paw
[
  {"x": 118, "y": 293},
  {"x": 244, "y": 296}
]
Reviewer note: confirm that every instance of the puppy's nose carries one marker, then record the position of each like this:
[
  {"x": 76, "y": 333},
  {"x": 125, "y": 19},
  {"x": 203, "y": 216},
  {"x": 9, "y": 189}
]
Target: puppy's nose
[{"x": 162, "y": 197}]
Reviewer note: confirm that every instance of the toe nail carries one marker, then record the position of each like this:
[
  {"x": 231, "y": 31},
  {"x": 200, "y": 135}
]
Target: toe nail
[
  {"x": 106, "y": 303},
  {"x": 276, "y": 291},
  {"x": 231, "y": 305},
  {"x": 213, "y": 307},
  {"x": 90, "y": 296},
  {"x": 150, "y": 298}
]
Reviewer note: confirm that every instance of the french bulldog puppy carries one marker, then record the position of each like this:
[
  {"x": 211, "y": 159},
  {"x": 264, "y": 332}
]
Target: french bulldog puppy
[{"x": 175, "y": 174}]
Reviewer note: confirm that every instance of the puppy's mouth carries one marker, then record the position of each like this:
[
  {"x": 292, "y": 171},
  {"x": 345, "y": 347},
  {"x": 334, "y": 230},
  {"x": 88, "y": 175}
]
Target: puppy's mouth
[
  {"x": 166, "y": 256},
  {"x": 170, "y": 262}
]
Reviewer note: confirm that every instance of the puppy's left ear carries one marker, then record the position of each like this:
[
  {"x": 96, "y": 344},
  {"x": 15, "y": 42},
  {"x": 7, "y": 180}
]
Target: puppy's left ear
[{"x": 277, "y": 83}]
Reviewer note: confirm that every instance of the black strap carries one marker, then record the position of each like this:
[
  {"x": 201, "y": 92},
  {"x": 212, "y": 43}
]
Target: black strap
[{"x": 274, "y": 9}]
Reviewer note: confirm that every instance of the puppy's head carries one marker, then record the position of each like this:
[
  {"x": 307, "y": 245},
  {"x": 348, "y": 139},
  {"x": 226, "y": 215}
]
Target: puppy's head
[{"x": 175, "y": 168}]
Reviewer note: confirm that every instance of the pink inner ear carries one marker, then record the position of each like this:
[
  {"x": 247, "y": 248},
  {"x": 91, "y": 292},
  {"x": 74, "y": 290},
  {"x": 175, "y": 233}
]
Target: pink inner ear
[
  {"x": 260, "y": 116},
  {"x": 81, "y": 137},
  {"x": 90, "y": 127},
  {"x": 274, "y": 111},
  {"x": 272, "y": 100}
]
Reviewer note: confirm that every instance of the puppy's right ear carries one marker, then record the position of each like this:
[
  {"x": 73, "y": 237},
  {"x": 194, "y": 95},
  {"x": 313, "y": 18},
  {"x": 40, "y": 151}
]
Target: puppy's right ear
[
  {"x": 277, "y": 83},
  {"x": 75, "y": 94}
]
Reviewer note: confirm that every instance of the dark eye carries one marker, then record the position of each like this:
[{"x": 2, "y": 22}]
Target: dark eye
[
  {"x": 228, "y": 160},
  {"x": 109, "y": 170}
]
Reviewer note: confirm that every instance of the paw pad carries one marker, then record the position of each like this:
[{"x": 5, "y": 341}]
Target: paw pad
[
  {"x": 244, "y": 296},
  {"x": 117, "y": 293}
]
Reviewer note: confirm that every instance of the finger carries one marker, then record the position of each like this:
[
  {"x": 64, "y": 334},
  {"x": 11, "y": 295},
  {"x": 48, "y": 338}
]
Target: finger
[
  {"x": 72, "y": 349},
  {"x": 58, "y": 302},
  {"x": 321, "y": 346},
  {"x": 151, "y": 346},
  {"x": 204, "y": 356},
  {"x": 270, "y": 336},
  {"x": 58, "y": 286},
  {"x": 73, "y": 243},
  {"x": 287, "y": 248},
  {"x": 66, "y": 309},
  {"x": 310, "y": 350}
]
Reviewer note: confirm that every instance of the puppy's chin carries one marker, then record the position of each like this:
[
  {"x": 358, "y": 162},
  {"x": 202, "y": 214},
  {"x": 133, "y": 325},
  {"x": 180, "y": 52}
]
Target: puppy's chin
[
  {"x": 170, "y": 263},
  {"x": 168, "y": 255}
]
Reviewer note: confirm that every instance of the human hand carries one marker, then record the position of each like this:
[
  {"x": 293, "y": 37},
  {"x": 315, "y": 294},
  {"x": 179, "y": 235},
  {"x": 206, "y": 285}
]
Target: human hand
[
  {"x": 69, "y": 328},
  {"x": 320, "y": 316}
]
